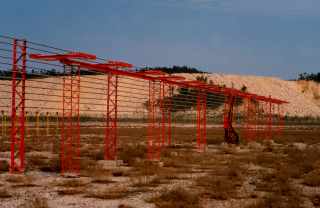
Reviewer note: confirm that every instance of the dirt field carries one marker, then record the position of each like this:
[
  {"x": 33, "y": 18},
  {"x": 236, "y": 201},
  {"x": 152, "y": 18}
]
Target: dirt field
[{"x": 284, "y": 172}]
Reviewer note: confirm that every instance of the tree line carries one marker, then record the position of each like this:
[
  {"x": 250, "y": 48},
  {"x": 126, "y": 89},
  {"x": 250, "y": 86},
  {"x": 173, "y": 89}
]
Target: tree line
[
  {"x": 174, "y": 69},
  {"x": 309, "y": 76}
]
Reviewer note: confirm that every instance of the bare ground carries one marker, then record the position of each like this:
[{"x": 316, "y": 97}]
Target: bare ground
[{"x": 284, "y": 172}]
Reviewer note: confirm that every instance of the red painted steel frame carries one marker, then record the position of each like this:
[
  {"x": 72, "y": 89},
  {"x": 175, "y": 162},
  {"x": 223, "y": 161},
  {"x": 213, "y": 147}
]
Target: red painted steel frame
[
  {"x": 230, "y": 135},
  {"x": 153, "y": 134},
  {"x": 201, "y": 121},
  {"x": 19, "y": 60},
  {"x": 270, "y": 120},
  {"x": 111, "y": 119},
  {"x": 70, "y": 126},
  {"x": 165, "y": 107},
  {"x": 250, "y": 121}
]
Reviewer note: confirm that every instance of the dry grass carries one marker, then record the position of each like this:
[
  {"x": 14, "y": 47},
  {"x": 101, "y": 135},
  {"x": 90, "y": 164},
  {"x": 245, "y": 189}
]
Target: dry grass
[
  {"x": 35, "y": 202},
  {"x": 147, "y": 168},
  {"x": 70, "y": 182},
  {"x": 131, "y": 153},
  {"x": 277, "y": 201},
  {"x": 115, "y": 192},
  {"x": 21, "y": 180},
  {"x": 70, "y": 191},
  {"x": 222, "y": 184},
  {"x": 281, "y": 192},
  {"x": 4, "y": 193},
  {"x": 315, "y": 199},
  {"x": 312, "y": 179},
  {"x": 176, "y": 198},
  {"x": 102, "y": 177},
  {"x": 124, "y": 206},
  {"x": 304, "y": 160},
  {"x": 146, "y": 181},
  {"x": 44, "y": 164},
  {"x": 217, "y": 187},
  {"x": 4, "y": 165},
  {"x": 93, "y": 152},
  {"x": 70, "y": 186}
]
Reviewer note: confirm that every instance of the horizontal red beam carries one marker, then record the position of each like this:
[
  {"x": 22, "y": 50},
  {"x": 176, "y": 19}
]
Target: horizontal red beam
[{"x": 112, "y": 67}]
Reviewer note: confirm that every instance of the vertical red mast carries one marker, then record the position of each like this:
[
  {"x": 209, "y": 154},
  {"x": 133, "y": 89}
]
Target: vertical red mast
[
  {"x": 111, "y": 119},
  {"x": 201, "y": 121},
  {"x": 70, "y": 128},
  {"x": 19, "y": 59}
]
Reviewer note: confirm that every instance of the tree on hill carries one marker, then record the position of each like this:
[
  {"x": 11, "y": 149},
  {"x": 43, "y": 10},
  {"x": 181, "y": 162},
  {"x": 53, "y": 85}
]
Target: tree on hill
[
  {"x": 174, "y": 69},
  {"x": 309, "y": 76}
]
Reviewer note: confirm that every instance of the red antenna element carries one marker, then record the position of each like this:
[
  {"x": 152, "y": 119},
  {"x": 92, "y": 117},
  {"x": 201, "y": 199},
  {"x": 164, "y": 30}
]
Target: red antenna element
[
  {"x": 119, "y": 64},
  {"x": 71, "y": 55}
]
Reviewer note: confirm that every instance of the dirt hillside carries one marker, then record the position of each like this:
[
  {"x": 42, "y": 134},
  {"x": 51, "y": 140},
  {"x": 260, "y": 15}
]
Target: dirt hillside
[{"x": 303, "y": 96}]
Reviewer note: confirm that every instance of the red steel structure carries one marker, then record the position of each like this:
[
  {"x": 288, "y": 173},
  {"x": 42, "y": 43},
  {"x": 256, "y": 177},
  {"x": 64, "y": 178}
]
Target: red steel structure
[
  {"x": 201, "y": 120},
  {"x": 70, "y": 125},
  {"x": 114, "y": 92},
  {"x": 19, "y": 58},
  {"x": 111, "y": 118}
]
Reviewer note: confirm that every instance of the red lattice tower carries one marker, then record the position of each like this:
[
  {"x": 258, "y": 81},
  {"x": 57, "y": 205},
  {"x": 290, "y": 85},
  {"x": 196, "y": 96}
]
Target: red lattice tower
[
  {"x": 165, "y": 108},
  {"x": 230, "y": 135},
  {"x": 70, "y": 124},
  {"x": 280, "y": 120},
  {"x": 19, "y": 59},
  {"x": 111, "y": 119},
  {"x": 153, "y": 133},
  {"x": 201, "y": 121},
  {"x": 270, "y": 120},
  {"x": 111, "y": 133},
  {"x": 251, "y": 119}
]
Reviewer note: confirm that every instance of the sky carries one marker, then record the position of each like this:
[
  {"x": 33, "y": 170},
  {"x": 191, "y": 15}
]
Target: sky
[{"x": 260, "y": 37}]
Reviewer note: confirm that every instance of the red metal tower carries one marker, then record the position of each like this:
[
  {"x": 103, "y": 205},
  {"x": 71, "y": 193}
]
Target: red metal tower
[
  {"x": 201, "y": 121},
  {"x": 19, "y": 59},
  {"x": 70, "y": 125},
  {"x": 153, "y": 137},
  {"x": 111, "y": 119}
]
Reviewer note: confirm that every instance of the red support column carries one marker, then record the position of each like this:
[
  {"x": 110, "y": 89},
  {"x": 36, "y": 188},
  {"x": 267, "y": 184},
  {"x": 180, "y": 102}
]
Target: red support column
[
  {"x": 169, "y": 116},
  {"x": 112, "y": 113},
  {"x": 280, "y": 121},
  {"x": 265, "y": 120},
  {"x": 165, "y": 108},
  {"x": 270, "y": 115},
  {"x": 230, "y": 135},
  {"x": 246, "y": 128},
  {"x": 163, "y": 112},
  {"x": 153, "y": 134},
  {"x": 19, "y": 59},
  {"x": 70, "y": 125},
  {"x": 250, "y": 128},
  {"x": 201, "y": 121}
]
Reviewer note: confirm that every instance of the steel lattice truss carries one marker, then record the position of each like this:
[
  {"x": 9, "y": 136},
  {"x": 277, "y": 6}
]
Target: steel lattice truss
[{"x": 70, "y": 86}]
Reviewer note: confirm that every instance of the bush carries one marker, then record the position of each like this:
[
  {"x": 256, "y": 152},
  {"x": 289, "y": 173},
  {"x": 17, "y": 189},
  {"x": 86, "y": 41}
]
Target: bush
[
  {"x": 176, "y": 198},
  {"x": 35, "y": 202},
  {"x": 4, "y": 193},
  {"x": 130, "y": 153},
  {"x": 312, "y": 179},
  {"x": 4, "y": 165},
  {"x": 108, "y": 193}
]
